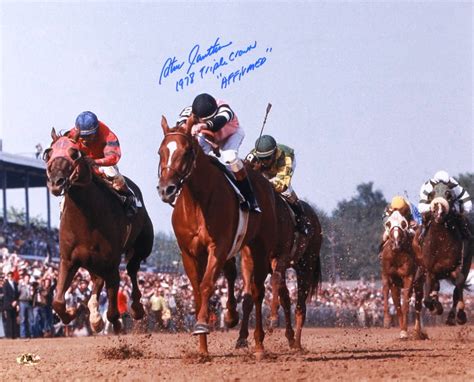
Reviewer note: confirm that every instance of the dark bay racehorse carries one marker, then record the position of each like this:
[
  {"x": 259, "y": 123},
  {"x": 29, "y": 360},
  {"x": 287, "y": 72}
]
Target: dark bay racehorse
[
  {"x": 206, "y": 219},
  {"x": 94, "y": 231},
  {"x": 295, "y": 251},
  {"x": 398, "y": 274},
  {"x": 441, "y": 257}
]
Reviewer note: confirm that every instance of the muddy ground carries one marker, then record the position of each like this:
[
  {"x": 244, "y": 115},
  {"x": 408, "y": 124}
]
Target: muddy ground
[{"x": 330, "y": 354}]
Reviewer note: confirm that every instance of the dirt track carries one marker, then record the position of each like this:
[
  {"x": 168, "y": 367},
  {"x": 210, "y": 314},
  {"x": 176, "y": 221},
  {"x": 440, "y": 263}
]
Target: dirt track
[{"x": 331, "y": 354}]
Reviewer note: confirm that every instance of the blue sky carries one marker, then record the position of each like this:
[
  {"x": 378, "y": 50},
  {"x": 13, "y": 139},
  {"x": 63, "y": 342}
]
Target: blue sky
[{"x": 373, "y": 91}]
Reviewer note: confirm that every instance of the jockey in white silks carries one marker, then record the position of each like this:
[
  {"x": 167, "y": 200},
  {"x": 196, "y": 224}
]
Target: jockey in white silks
[{"x": 218, "y": 117}]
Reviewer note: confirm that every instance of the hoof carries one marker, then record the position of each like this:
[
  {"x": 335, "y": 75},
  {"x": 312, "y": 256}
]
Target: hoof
[
  {"x": 421, "y": 336},
  {"x": 387, "y": 324},
  {"x": 259, "y": 355},
  {"x": 461, "y": 317},
  {"x": 439, "y": 308},
  {"x": 403, "y": 335},
  {"x": 242, "y": 343},
  {"x": 98, "y": 325},
  {"x": 294, "y": 345},
  {"x": 232, "y": 320},
  {"x": 117, "y": 325},
  {"x": 429, "y": 304},
  {"x": 450, "y": 321},
  {"x": 137, "y": 311},
  {"x": 200, "y": 329}
]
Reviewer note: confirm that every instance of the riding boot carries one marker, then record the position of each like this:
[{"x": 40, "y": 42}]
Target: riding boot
[
  {"x": 129, "y": 201},
  {"x": 302, "y": 223},
  {"x": 246, "y": 189}
]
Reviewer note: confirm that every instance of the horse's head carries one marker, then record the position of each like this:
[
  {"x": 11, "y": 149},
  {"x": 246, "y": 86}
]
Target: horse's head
[
  {"x": 63, "y": 160},
  {"x": 177, "y": 158},
  {"x": 442, "y": 199},
  {"x": 396, "y": 226}
]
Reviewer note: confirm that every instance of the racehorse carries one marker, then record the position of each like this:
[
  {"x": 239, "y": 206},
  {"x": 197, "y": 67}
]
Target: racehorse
[
  {"x": 441, "y": 256},
  {"x": 296, "y": 251},
  {"x": 94, "y": 231},
  {"x": 206, "y": 221},
  {"x": 398, "y": 273}
]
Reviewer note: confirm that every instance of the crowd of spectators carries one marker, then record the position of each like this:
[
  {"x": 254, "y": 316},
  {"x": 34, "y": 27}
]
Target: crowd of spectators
[
  {"x": 31, "y": 241},
  {"x": 168, "y": 301}
]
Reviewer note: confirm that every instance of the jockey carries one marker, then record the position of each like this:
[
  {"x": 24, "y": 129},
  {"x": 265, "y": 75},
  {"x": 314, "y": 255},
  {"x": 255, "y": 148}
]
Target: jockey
[
  {"x": 460, "y": 206},
  {"x": 277, "y": 163},
  {"x": 218, "y": 117},
  {"x": 101, "y": 145},
  {"x": 400, "y": 204}
]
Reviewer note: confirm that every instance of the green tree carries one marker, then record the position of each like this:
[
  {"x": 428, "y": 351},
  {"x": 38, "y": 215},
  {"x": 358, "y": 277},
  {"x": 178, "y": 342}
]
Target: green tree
[
  {"x": 357, "y": 230},
  {"x": 165, "y": 253}
]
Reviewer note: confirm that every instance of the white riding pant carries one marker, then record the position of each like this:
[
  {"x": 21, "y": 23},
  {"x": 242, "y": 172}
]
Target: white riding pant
[{"x": 229, "y": 149}]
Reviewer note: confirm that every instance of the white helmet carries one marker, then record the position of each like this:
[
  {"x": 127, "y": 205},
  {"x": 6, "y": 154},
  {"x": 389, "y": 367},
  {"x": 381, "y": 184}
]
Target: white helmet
[{"x": 441, "y": 176}]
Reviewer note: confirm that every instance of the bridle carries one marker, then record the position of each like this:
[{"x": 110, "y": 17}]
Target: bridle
[
  {"x": 72, "y": 180},
  {"x": 182, "y": 175}
]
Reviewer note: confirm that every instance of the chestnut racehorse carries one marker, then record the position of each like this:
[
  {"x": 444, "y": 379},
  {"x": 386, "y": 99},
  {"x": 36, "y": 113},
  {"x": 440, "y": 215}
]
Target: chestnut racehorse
[
  {"x": 94, "y": 231},
  {"x": 398, "y": 273},
  {"x": 441, "y": 256},
  {"x": 206, "y": 221},
  {"x": 296, "y": 251}
]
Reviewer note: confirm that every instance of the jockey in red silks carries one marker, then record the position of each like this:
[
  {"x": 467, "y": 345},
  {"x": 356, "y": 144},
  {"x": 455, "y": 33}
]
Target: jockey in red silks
[
  {"x": 101, "y": 145},
  {"x": 218, "y": 117}
]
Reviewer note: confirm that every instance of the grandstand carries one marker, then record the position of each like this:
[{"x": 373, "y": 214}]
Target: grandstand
[{"x": 16, "y": 172}]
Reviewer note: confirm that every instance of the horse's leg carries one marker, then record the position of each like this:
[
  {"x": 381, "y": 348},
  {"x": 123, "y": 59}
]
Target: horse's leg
[
  {"x": 67, "y": 270},
  {"x": 406, "y": 292},
  {"x": 112, "y": 284},
  {"x": 275, "y": 282},
  {"x": 194, "y": 271},
  {"x": 286, "y": 305},
  {"x": 215, "y": 262},
  {"x": 230, "y": 272},
  {"x": 435, "y": 295},
  {"x": 395, "y": 289},
  {"x": 428, "y": 294},
  {"x": 387, "y": 320},
  {"x": 260, "y": 272},
  {"x": 95, "y": 319},
  {"x": 418, "y": 288},
  {"x": 304, "y": 286},
  {"x": 136, "y": 307},
  {"x": 247, "y": 302}
]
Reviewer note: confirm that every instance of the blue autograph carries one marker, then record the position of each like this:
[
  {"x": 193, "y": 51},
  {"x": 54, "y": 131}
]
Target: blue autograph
[
  {"x": 213, "y": 62},
  {"x": 194, "y": 56},
  {"x": 169, "y": 67}
]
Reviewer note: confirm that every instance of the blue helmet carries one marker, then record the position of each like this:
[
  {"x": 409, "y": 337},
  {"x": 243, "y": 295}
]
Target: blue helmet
[{"x": 87, "y": 123}]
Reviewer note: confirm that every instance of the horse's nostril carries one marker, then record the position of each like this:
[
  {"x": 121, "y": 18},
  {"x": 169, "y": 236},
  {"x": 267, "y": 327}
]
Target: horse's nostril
[
  {"x": 60, "y": 182},
  {"x": 170, "y": 190}
]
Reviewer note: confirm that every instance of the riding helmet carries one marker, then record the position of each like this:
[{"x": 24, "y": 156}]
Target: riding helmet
[
  {"x": 398, "y": 202},
  {"x": 87, "y": 123},
  {"x": 441, "y": 176},
  {"x": 265, "y": 146},
  {"x": 204, "y": 106}
]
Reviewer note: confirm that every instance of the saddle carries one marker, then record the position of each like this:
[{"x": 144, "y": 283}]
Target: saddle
[{"x": 231, "y": 179}]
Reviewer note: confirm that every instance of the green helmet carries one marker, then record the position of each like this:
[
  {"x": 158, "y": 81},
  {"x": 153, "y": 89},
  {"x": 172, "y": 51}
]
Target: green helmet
[{"x": 265, "y": 146}]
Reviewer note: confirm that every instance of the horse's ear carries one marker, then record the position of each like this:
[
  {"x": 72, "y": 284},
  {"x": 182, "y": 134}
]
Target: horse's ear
[
  {"x": 54, "y": 135},
  {"x": 75, "y": 135},
  {"x": 164, "y": 125}
]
